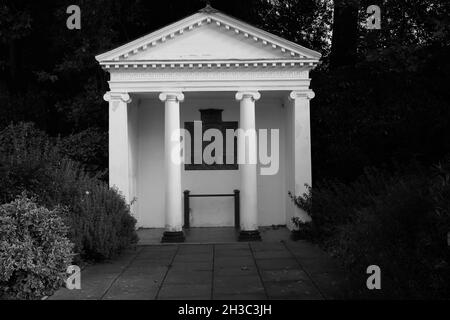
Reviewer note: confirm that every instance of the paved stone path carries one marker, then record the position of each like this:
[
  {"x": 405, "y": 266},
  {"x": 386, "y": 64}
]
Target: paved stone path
[{"x": 279, "y": 270}]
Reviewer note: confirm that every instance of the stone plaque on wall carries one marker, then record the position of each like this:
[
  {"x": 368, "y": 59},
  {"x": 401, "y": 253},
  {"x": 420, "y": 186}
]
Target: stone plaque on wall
[{"x": 212, "y": 119}]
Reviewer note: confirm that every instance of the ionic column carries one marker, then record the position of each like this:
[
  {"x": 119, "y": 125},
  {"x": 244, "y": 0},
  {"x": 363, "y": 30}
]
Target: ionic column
[
  {"x": 301, "y": 145},
  {"x": 248, "y": 193},
  {"x": 119, "y": 157},
  {"x": 173, "y": 204}
]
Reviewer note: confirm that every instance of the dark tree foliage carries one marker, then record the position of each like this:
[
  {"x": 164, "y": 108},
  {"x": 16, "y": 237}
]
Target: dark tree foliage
[{"x": 306, "y": 22}]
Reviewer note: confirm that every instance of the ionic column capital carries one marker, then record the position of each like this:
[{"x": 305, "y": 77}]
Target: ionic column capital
[
  {"x": 309, "y": 94},
  {"x": 176, "y": 96},
  {"x": 254, "y": 95},
  {"x": 124, "y": 97}
]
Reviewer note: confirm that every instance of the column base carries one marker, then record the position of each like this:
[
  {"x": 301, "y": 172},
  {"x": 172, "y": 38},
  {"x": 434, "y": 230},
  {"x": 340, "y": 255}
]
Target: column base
[
  {"x": 253, "y": 235},
  {"x": 173, "y": 237}
]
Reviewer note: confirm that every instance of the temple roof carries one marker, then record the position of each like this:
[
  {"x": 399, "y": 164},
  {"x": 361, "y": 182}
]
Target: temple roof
[{"x": 209, "y": 36}]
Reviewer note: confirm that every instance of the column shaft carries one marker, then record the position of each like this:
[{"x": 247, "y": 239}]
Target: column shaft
[
  {"x": 119, "y": 158},
  {"x": 173, "y": 194},
  {"x": 247, "y": 144},
  {"x": 302, "y": 145}
]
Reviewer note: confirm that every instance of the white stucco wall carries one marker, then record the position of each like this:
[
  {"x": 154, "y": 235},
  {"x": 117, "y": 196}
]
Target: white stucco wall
[{"x": 270, "y": 113}]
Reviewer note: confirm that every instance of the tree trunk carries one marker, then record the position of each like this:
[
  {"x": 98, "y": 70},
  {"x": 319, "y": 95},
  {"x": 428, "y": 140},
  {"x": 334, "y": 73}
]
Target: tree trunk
[{"x": 345, "y": 33}]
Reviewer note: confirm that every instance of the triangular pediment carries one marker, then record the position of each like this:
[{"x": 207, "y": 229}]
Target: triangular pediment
[
  {"x": 209, "y": 42},
  {"x": 209, "y": 36}
]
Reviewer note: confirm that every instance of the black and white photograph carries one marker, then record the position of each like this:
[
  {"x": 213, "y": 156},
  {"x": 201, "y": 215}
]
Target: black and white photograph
[{"x": 245, "y": 151}]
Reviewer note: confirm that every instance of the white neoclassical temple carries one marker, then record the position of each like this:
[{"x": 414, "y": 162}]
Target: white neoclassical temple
[{"x": 209, "y": 73}]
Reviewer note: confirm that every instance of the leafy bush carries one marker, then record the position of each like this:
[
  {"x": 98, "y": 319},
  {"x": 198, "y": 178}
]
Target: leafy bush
[
  {"x": 337, "y": 203},
  {"x": 26, "y": 157},
  {"x": 400, "y": 233},
  {"x": 88, "y": 147},
  {"x": 34, "y": 250},
  {"x": 99, "y": 219},
  {"x": 398, "y": 222},
  {"x": 303, "y": 229}
]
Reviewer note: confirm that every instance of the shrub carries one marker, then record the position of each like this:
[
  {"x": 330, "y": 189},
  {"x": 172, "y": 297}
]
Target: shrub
[
  {"x": 34, "y": 250},
  {"x": 99, "y": 219},
  {"x": 399, "y": 222},
  {"x": 88, "y": 147},
  {"x": 337, "y": 203},
  {"x": 26, "y": 157},
  {"x": 400, "y": 233},
  {"x": 303, "y": 230}
]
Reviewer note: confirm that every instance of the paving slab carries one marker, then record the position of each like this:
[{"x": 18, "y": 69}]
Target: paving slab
[
  {"x": 183, "y": 291},
  {"x": 132, "y": 288},
  {"x": 93, "y": 287},
  {"x": 220, "y": 271},
  {"x": 156, "y": 256},
  {"x": 233, "y": 261},
  {"x": 142, "y": 265},
  {"x": 272, "y": 254},
  {"x": 276, "y": 264},
  {"x": 233, "y": 254},
  {"x": 238, "y": 270},
  {"x": 283, "y": 275},
  {"x": 193, "y": 257},
  {"x": 156, "y": 273},
  {"x": 188, "y": 277},
  {"x": 232, "y": 246},
  {"x": 97, "y": 279},
  {"x": 188, "y": 248},
  {"x": 333, "y": 285},
  {"x": 304, "y": 250},
  {"x": 238, "y": 285},
  {"x": 292, "y": 290},
  {"x": 267, "y": 246},
  {"x": 242, "y": 296},
  {"x": 187, "y": 266}
]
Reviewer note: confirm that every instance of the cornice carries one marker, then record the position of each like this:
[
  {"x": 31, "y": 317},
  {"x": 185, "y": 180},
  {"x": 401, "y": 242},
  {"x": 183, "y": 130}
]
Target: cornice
[{"x": 205, "y": 64}]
